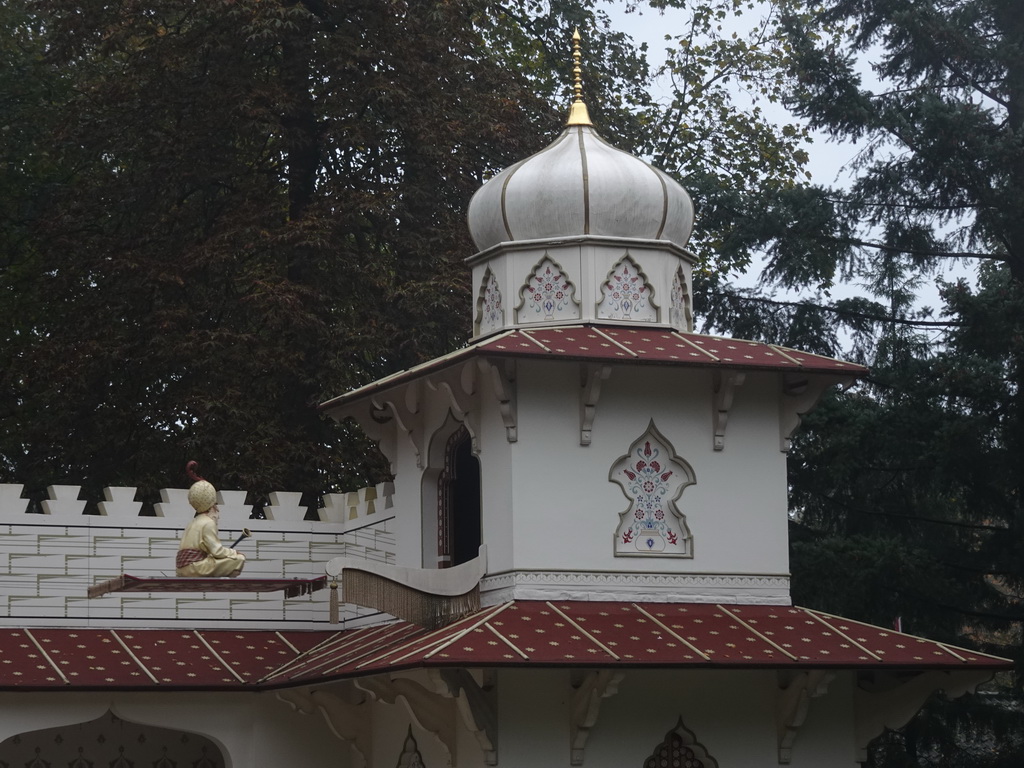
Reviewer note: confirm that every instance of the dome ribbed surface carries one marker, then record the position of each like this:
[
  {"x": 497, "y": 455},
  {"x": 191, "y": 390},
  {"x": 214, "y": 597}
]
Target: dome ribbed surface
[{"x": 580, "y": 185}]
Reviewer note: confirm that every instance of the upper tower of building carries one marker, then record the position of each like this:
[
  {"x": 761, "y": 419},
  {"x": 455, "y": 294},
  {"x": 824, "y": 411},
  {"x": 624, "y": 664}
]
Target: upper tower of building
[
  {"x": 581, "y": 232},
  {"x": 563, "y": 438}
]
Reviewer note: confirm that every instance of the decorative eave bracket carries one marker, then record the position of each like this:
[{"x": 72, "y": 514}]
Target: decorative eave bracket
[
  {"x": 461, "y": 391},
  {"x": 793, "y": 704},
  {"x": 502, "y": 376},
  {"x": 430, "y": 711},
  {"x": 875, "y": 711},
  {"x": 800, "y": 393},
  {"x": 591, "y": 379},
  {"x": 725, "y": 385},
  {"x": 591, "y": 689},
  {"x": 476, "y": 703},
  {"x": 456, "y": 694},
  {"x": 404, "y": 407},
  {"x": 349, "y": 722}
]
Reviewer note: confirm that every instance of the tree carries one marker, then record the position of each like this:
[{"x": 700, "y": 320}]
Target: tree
[
  {"x": 715, "y": 135},
  {"x": 907, "y": 490},
  {"x": 246, "y": 206},
  {"x": 941, "y": 171},
  {"x": 231, "y": 211}
]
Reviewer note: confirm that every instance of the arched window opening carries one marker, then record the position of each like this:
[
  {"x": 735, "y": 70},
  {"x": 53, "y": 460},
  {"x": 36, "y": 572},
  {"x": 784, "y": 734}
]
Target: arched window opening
[{"x": 458, "y": 502}]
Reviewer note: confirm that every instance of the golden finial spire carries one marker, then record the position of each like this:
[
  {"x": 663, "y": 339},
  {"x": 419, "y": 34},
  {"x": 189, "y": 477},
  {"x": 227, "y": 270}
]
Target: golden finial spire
[{"x": 578, "y": 114}]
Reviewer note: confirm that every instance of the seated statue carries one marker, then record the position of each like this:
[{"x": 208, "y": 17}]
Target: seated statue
[{"x": 200, "y": 552}]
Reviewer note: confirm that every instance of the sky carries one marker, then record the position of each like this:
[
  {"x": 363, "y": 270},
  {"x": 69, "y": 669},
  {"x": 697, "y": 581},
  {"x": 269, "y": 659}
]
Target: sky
[
  {"x": 650, "y": 26},
  {"x": 829, "y": 160}
]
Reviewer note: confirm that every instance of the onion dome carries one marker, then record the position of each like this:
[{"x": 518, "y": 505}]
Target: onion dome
[{"x": 580, "y": 185}]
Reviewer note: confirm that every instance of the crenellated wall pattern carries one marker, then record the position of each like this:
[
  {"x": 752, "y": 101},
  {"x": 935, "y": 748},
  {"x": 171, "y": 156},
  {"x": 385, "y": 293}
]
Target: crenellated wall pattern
[{"x": 49, "y": 558}]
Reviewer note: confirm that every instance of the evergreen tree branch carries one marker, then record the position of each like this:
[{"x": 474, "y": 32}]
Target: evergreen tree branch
[
  {"x": 899, "y": 516},
  {"x": 841, "y": 312},
  {"x": 918, "y": 252}
]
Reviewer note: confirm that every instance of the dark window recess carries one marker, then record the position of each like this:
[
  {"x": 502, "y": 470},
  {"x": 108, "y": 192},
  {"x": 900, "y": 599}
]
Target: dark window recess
[{"x": 458, "y": 503}]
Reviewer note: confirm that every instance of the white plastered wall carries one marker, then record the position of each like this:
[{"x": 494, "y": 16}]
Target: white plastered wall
[
  {"x": 565, "y": 509},
  {"x": 548, "y": 505}
]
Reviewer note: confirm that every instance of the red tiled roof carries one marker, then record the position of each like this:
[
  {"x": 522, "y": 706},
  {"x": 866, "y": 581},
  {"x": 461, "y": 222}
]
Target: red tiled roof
[
  {"x": 659, "y": 345},
  {"x": 523, "y": 633},
  {"x": 610, "y": 343}
]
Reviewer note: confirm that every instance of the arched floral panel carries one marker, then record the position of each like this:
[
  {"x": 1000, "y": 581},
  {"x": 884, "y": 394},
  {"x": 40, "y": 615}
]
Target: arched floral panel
[
  {"x": 680, "y": 312},
  {"x": 490, "y": 314},
  {"x": 626, "y": 293},
  {"x": 652, "y": 478},
  {"x": 680, "y": 749},
  {"x": 547, "y": 295}
]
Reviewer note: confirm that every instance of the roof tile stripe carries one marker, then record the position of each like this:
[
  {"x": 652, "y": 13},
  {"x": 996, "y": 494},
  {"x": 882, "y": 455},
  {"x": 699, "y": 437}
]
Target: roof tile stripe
[
  {"x": 349, "y": 646},
  {"x": 134, "y": 657},
  {"x": 217, "y": 656},
  {"x": 46, "y": 656},
  {"x": 674, "y": 634}
]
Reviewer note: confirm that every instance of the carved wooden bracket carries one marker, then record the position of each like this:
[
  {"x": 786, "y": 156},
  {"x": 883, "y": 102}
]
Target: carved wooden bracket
[
  {"x": 477, "y": 704},
  {"x": 874, "y": 711},
  {"x": 461, "y": 401},
  {"x": 430, "y": 711},
  {"x": 725, "y": 389},
  {"x": 793, "y": 703},
  {"x": 349, "y": 722},
  {"x": 404, "y": 407},
  {"x": 502, "y": 376},
  {"x": 468, "y": 378},
  {"x": 799, "y": 396},
  {"x": 591, "y": 378},
  {"x": 591, "y": 690},
  {"x": 380, "y": 426}
]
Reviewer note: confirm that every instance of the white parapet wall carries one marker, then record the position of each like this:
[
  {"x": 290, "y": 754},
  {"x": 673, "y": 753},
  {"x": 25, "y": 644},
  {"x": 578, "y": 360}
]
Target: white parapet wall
[{"x": 49, "y": 558}]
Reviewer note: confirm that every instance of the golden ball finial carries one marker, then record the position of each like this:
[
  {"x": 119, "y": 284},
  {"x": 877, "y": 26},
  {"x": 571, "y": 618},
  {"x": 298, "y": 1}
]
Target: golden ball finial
[{"x": 578, "y": 114}]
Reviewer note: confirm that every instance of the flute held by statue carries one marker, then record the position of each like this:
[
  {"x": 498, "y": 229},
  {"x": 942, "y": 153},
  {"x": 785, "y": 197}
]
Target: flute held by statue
[{"x": 246, "y": 533}]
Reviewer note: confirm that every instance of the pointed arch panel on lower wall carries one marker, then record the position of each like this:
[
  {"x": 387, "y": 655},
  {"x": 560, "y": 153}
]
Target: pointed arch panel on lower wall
[{"x": 109, "y": 741}]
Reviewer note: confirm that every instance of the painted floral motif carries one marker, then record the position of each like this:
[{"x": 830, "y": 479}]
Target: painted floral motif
[
  {"x": 680, "y": 313},
  {"x": 490, "y": 312},
  {"x": 627, "y": 294},
  {"x": 648, "y": 485},
  {"x": 652, "y": 479},
  {"x": 547, "y": 294}
]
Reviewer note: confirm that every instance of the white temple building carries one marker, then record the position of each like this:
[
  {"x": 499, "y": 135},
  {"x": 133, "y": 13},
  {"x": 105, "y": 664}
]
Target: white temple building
[{"x": 585, "y": 546}]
